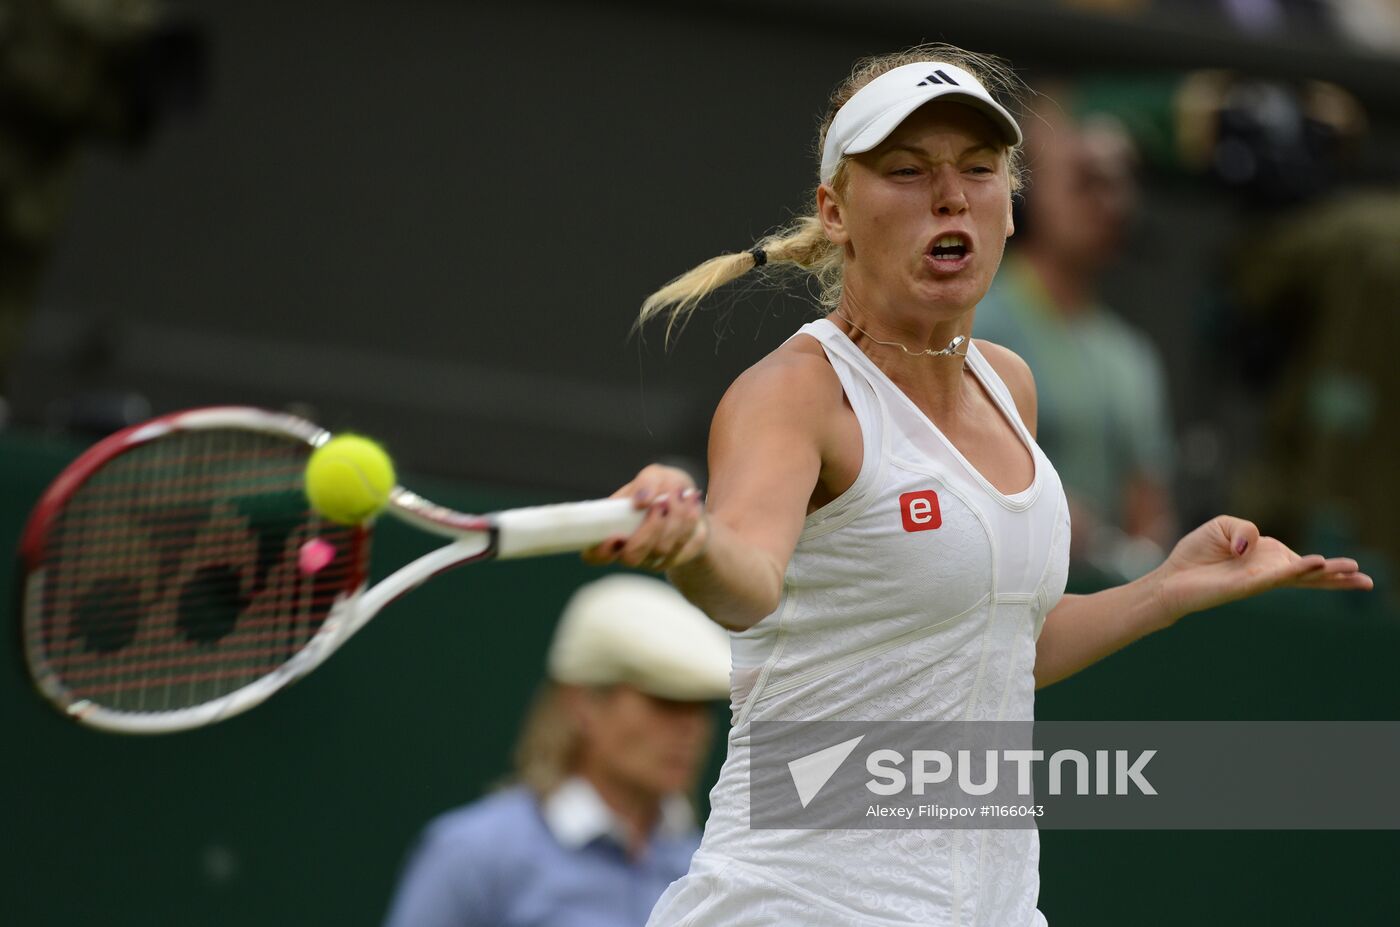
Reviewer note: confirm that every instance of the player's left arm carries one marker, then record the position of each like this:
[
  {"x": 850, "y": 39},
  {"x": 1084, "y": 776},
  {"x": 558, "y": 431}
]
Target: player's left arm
[
  {"x": 1081, "y": 629},
  {"x": 1223, "y": 560}
]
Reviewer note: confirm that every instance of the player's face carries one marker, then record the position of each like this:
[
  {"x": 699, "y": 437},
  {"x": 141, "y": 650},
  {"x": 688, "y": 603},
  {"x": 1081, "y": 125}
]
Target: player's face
[
  {"x": 651, "y": 744},
  {"x": 942, "y": 174}
]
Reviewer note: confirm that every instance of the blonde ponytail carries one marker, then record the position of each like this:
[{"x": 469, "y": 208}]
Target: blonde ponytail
[{"x": 803, "y": 243}]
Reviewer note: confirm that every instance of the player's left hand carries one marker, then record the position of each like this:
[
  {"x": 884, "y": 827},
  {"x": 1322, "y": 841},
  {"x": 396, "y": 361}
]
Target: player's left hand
[{"x": 1227, "y": 559}]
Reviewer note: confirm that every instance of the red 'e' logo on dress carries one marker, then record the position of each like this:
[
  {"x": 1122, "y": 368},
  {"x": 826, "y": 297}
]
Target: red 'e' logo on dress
[{"x": 920, "y": 510}]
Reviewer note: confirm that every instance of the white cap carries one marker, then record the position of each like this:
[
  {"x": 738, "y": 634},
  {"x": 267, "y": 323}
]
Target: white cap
[
  {"x": 875, "y": 110},
  {"x": 637, "y": 630}
]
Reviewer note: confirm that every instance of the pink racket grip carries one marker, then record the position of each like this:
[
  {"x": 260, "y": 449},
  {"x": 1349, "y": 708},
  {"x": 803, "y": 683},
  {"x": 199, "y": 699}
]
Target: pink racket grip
[{"x": 557, "y": 529}]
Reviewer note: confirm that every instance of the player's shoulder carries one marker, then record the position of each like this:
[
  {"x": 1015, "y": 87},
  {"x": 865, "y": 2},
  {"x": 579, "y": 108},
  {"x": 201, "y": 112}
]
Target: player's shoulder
[
  {"x": 1014, "y": 372},
  {"x": 1009, "y": 365},
  {"x": 796, "y": 377}
]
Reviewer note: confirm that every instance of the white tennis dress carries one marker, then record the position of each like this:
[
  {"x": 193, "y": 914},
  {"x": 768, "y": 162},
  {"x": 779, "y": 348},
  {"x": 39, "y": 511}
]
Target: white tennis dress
[{"x": 879, "y": 622}]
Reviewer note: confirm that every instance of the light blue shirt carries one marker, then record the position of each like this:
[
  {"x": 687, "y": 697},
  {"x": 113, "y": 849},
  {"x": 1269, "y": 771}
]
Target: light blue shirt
[
  {"x": 508, "y": 861},
  {"x": 1102, "y": 390}
]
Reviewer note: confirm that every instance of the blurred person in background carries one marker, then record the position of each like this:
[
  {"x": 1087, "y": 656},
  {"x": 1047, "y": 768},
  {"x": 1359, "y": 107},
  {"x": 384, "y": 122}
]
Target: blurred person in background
[
  {"x": 599, "y": 822},
  {"x": 1103, "y": 406},
  {"x": 1322, "y": 281},
  {"x": 1304, "y": 327}
]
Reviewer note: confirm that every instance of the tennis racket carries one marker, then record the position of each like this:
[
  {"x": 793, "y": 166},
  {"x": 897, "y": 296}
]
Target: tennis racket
[{"x": 174, "y": 575}]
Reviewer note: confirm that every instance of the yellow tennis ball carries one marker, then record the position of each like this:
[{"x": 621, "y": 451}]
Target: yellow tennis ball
[{"x": 348, "y": 479}]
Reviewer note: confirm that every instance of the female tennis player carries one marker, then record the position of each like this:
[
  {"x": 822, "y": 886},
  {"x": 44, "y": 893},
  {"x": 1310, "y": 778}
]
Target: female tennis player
[{"x": 883, "y": 537}]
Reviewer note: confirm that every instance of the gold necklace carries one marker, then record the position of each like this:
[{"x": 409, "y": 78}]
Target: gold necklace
[{"x": 961, "y": 341}]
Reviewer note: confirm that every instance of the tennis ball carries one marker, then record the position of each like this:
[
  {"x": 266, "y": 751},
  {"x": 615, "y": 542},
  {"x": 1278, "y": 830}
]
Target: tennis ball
[{"x": 348, "y": 479}]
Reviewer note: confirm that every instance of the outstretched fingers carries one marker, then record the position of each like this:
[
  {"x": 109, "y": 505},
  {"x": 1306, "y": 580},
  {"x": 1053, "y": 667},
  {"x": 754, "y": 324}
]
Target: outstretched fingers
[{"x": 1318, "y": 572}]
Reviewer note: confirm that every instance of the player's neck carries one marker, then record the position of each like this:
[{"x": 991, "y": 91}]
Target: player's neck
[{"x": 935, "y": 384}]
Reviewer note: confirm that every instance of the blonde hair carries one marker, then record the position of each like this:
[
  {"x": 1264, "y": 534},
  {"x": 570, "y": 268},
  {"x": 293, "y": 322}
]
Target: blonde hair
[
  {"x": 547, "y": 751},
  {"x": 803, "y": 243}
]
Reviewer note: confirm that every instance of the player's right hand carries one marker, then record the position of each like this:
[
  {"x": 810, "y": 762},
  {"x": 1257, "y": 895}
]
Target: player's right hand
[{"x": 674, "y": 531}]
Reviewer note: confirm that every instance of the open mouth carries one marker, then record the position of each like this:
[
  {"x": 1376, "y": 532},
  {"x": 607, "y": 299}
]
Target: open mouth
[
  {"x": 951, "y": 247},
  {"x": 949, "y": 251}
]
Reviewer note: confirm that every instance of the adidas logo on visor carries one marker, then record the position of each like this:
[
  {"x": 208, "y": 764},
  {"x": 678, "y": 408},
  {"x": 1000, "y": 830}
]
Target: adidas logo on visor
[{"x": 934, "y": 78}]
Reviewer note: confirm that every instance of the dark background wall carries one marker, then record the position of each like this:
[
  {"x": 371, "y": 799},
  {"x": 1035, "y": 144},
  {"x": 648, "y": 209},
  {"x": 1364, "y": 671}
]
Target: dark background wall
[
  {"x": 433, "y": 221},
  {"x": 436, "y": 220}
]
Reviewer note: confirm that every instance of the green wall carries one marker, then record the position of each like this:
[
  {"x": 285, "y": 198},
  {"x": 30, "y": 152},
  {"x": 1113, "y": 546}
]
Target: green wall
[{"x": 300, "y": 812}]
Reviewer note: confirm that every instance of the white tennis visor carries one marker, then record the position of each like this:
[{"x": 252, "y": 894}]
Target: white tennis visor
[{"x": 876, "y": 109}]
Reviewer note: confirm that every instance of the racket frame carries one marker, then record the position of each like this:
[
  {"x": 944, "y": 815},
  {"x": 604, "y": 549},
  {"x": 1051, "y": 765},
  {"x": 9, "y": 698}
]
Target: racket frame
[{"x": 524, "y": 532}]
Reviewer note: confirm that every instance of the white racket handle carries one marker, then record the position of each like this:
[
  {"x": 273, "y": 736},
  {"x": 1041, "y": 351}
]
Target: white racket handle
[{"x": 557, "y": 529}]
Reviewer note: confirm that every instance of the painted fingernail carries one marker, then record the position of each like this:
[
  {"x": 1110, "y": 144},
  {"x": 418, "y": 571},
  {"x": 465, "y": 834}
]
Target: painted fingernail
[
  {"x": 642, "y": 495},
  {"x": 687, "y": 494},
  {"x": 1240, "y": 545},
  {"x": 661, "y": 499}
]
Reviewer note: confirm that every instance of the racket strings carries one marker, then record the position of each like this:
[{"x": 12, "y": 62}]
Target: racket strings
[{"x": 171, "y": 577}]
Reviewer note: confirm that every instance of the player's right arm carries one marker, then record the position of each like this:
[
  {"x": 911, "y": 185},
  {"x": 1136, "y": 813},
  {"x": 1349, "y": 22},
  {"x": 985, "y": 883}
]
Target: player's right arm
[
  {"x": 772, "y": 440},
  {"x": 768, "y": 443}
]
